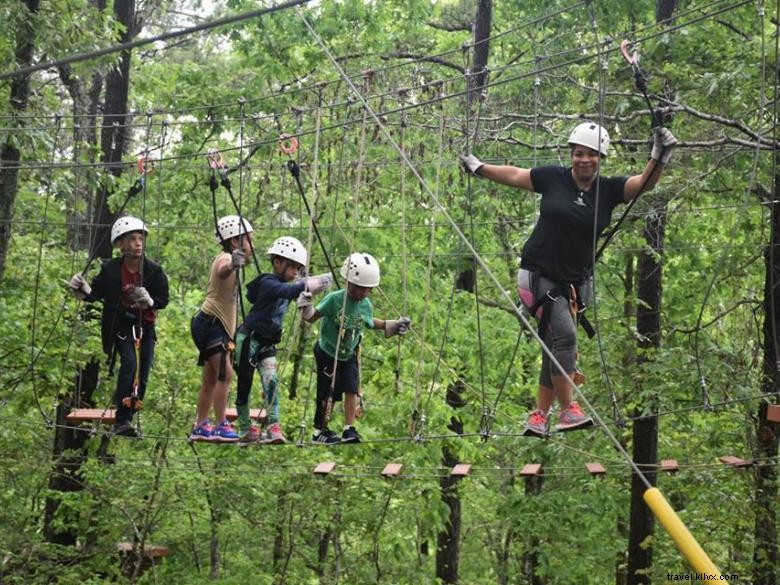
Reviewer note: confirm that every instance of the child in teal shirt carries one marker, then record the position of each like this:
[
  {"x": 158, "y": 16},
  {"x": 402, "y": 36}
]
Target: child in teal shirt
[{"x": 344, "y": 314}]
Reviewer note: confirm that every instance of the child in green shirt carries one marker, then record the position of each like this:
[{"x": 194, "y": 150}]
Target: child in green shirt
[{"x": 344, "y": 314}]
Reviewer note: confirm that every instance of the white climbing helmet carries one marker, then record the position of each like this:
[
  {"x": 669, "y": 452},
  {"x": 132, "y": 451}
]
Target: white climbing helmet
[
  {"x": 290, "y": 248},
  {"x": 361, "y": 269},
  {"x": 230, "y": 227},
  {"x": 125, "y": 225},
  {"x": 591, "y": 135}
]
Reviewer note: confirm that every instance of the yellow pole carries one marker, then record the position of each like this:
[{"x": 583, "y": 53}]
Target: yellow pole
[{"x": 684, "y": 540}]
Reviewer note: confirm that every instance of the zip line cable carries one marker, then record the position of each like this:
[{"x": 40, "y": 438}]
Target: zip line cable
[
  {"x": 149, "y": 40},
  {"x": 573, "y": 61}
]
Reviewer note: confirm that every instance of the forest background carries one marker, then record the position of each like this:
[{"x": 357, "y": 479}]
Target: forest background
[{"x": 684, "y": 366}]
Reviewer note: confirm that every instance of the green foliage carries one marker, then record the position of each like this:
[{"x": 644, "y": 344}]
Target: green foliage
[{"x": 235, "y": 89}]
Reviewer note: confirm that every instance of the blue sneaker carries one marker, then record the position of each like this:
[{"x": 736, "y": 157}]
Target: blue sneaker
[
  {"x": 327, "y": 437},
  {"x": 202, "y": 431},
  {"x": 224, "y": 433},
  {"x": 350, "y": 435}
]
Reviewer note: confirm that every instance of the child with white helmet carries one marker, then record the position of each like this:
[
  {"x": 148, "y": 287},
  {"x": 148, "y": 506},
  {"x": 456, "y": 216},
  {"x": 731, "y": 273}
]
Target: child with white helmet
[
  {"x": 270, "y": 295},
  {"x": 554, "y": 281},
  {"x": 133, "y": 289},
  {"x": 214, "y": 325},
  {"x": 344, "y": 314}
]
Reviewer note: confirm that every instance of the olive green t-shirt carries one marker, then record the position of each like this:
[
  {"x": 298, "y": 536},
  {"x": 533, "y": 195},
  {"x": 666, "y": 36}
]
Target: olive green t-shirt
[{"x": 356, "y": 315}]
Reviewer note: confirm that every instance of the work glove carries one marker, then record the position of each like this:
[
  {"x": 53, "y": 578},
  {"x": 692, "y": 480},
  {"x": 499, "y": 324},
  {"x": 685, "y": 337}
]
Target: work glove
[
  {"x": 141, "y": 297},
  {"x": 397, "y": 326},
  {"x": 471, "y": 163},
  {"x": 237, "y": 259},
  {"x": 79, "y": 287},
  {"x": 663, "y": 144},
  {"x": 305, "y": 306},
  {"x": 319, "y": 283}
]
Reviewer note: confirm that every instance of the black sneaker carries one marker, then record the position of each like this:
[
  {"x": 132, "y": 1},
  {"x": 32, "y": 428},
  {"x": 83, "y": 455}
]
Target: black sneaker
[
  {"x": 350, "y": 435},
  {"x": 326, "y": 437},
  {"x": 125, "y": 429}
]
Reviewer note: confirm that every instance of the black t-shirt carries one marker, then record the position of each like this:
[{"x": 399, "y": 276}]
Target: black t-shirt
[{"x": 561, "y": 244}]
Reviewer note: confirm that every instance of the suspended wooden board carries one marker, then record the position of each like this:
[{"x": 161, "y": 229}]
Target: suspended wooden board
[
  {"x": 461, "y": 470},
  {"x": 670, "y": 465},
  {"x": 254, "y": 413},
  {"x": 595, "y": 468},
  {"x": 530, "y": 469},
  {"x": 392, "y": 469},
  {"x": 773, "y": 413},
  {"x": 79, "y": 415},
  {"x": 325, "y": 467},
  {"x": 735, "y": 461}
]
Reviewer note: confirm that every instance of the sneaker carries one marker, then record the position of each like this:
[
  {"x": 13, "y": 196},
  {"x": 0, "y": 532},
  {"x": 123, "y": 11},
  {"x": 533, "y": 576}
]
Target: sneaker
[
  {"x": 350, "y": 435},
  {"x": 202, "y": 431},
  {"x": 536, "y": 425},
  {"x": 224, "y": 433},
  {"x": 125, "y": 429},
  {"x": 273, "y": 435},
  {"x": 572, "y": 417},
  {"x": 327, "y": 437},
  {"x": 251, "y": 435}
]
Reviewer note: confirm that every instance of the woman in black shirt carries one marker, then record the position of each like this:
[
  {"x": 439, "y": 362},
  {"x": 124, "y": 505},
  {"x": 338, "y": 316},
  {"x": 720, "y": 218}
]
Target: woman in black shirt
[{"x": 554, "y": 279}]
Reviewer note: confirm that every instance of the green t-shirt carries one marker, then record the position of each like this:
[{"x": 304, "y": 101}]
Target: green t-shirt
[{"x": 359, "y": 314}]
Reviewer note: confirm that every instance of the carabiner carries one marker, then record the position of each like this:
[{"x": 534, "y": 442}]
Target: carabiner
[
  {"x": 216, "y": 160},
  {"x": 144, "y": 165},
  {"x": 288, "y": 144}
]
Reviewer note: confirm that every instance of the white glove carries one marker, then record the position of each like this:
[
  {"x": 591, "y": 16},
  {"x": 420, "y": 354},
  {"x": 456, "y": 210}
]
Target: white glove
[
  {"x": 317, "y": 284},
  {"x": 471, "y": 163},
  {"x": 79, "y": 287},
  {"x": 397, "y": 326},
  {"x": 305, "y": 306},
  {"x": 141, "y": 297},
  {"x": 237, "y": 259},
  {"x": 663, "y": 144}
]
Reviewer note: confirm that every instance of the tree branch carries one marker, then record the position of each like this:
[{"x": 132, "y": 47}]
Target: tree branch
[{"x": 418, "y": 57}]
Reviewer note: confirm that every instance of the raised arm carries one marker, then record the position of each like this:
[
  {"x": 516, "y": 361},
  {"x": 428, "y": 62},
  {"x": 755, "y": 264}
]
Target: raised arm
[{"x": 663, "y": 144}]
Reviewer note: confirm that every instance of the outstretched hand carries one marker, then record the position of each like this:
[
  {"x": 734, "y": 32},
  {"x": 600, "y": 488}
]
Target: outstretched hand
[{"x": 471, "y": 163}]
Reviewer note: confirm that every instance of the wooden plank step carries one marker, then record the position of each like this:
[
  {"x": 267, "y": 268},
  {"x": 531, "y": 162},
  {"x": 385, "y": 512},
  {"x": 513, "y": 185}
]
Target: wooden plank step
[
  {"x": 254, "y": 413},
  {"x": 392, "y": 469},
  {"x": 461, "y": 470},
  {"x": 773, "y": 413},
  {"x": 531, "y": 469},
  {"x": 79, "y": 415},
  {"x": 595, "y": 468},
  {"x": 733, "y": 461},
  {"x": 325, "y": 467},
  {"x": 670, "y": 465}
]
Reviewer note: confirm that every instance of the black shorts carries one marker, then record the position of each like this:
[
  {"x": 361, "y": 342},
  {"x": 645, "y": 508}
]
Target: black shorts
[{"x": 347, "y": 379}]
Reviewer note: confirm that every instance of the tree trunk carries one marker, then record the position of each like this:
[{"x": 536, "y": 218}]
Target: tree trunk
[
  {"x": 766, "y": 558},
  {"x": 59, "y": 526},
  {"x": 482, "y": 24},
  {"x": 448, "y": 539},
  {"x": 9, "y": 153},
  {"x": 533, "y": 487},
  {"x": 86, "y": 101},
  {"x": 645, "y": 432}
]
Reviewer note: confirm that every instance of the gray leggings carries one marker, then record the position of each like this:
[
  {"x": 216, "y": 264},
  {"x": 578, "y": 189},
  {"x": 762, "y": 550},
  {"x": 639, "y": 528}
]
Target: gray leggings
[{"x": 561, "y": 333}]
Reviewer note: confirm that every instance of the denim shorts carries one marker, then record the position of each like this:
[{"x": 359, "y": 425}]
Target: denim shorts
[{"x": 208, "y": 334}]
